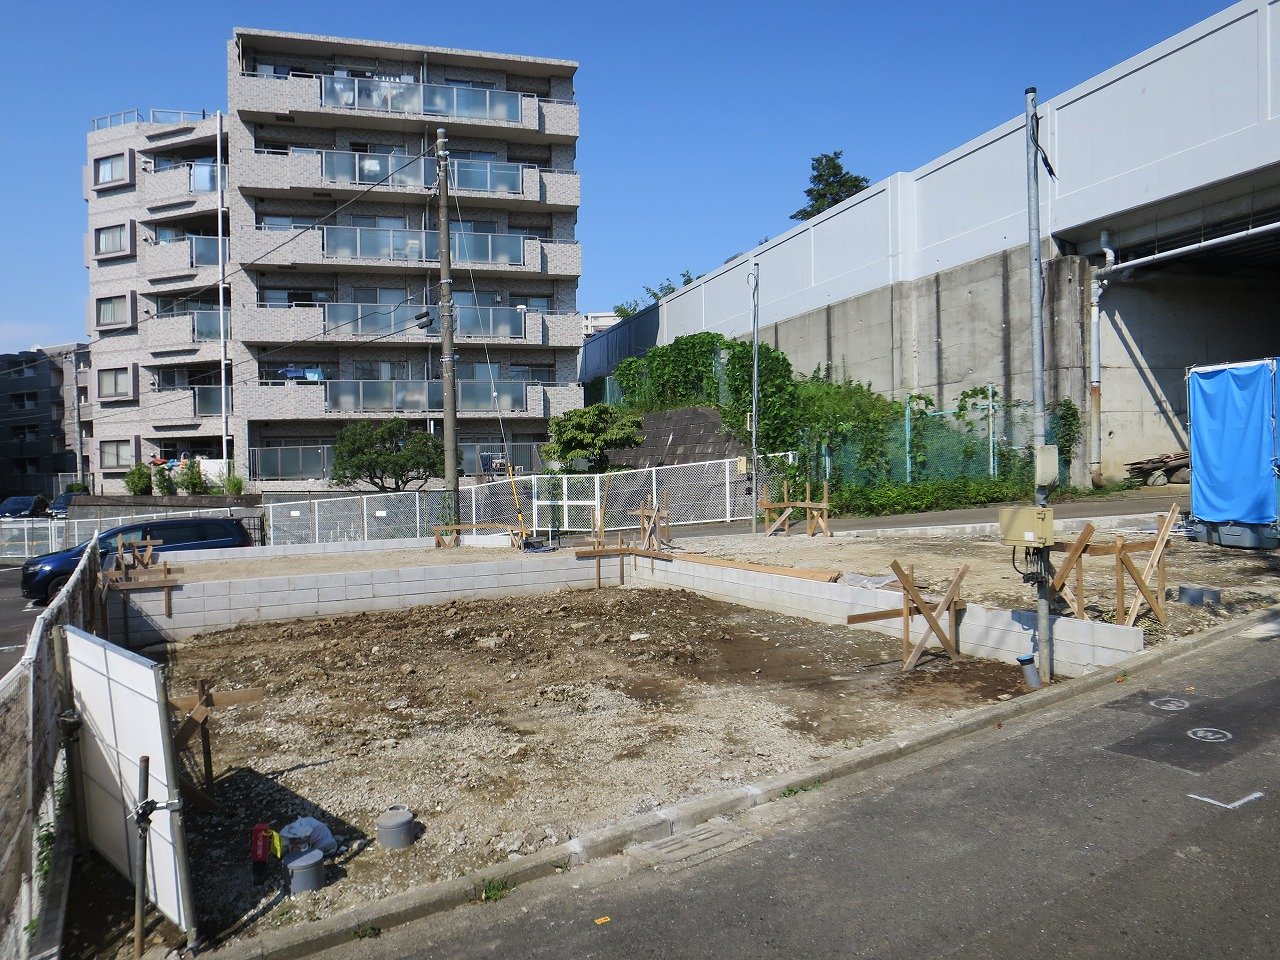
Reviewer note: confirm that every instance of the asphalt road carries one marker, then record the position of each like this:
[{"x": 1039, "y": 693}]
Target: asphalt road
[
  {"x": 16, "y": 617},
  {"x": 1076, "y": 833}
]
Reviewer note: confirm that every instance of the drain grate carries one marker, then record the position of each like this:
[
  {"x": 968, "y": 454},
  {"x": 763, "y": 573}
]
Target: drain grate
[{"x": 688, "y": 849}]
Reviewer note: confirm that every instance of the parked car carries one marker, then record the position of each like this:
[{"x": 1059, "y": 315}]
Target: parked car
[
  {"x": 45, "y": 575},
  {"x": 58, "y": 509},
  {"x": 14, "y": 508}
]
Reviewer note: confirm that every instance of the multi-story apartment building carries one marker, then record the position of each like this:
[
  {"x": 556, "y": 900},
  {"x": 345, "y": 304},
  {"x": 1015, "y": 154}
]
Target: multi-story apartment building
[
  {"x": 331, "y": 248},
  {"x": 40, "y": 421}
]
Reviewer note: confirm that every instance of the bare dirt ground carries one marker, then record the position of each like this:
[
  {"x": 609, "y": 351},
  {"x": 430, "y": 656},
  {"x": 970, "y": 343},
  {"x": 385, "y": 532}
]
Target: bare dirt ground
[
  {"x": 1248, "y": 579},
  {"x": 508, "y": 726}
]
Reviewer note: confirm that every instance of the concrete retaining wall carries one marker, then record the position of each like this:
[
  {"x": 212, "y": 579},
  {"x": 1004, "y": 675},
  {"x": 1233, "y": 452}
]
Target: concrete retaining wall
[{"x": 1079, "y": 646}]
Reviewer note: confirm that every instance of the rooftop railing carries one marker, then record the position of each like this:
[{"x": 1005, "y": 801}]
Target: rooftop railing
[{"x": 126, "y": 117}]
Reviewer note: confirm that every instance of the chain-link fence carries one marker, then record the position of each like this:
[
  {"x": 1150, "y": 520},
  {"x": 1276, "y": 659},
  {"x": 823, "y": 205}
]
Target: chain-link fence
[
  {"x": 32, "y": 812},
  {"x": 989, "y": 438},
  {"x": 374, "y": 516}
]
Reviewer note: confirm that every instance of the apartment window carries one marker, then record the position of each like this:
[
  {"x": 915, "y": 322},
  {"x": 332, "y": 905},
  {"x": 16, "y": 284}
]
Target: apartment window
[
  {"x": 279, "y": 222},
  {"x": 112, "y": 311},
  {"x": 167, "y": 234},
  {"x": 533, "y": 304},
  {"x": 485, "y": 155},
  {"x": 390, "y": 296},
  {"x": 116, "y": 454},
  {"x": 382, "y": 149},
  {"x": 24, "y": 401},
  {"x": 110, "y": 169},
  {"x": 534, "y": 373},
  {"x": 477, "y": 84},
  {"x": 542, "y": 233},
  {"x": 26, "y": 432},
  {"x": 386, "y": 222},
  {"x": 289, "y": 298},
  {"x": 108, "y": 241},
  {"x": 115, "y": 383},
  {"x": 387, "y": 370}
]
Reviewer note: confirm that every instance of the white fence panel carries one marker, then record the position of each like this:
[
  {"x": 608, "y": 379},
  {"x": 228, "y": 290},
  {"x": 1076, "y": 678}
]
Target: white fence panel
[{"x": 123, "y": 707}]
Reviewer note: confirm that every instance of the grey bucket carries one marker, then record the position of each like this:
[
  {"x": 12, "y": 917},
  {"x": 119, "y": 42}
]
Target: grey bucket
[
  {"x": 395, "y": 827},
  {"x": 306, "y": 870},
  {"x": 1028, "y": 664}
]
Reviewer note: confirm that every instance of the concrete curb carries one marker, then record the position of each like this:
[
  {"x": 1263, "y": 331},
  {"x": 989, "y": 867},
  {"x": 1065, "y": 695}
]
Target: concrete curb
[
  {"x": 420, "y": 902},
  {"x": 1070, "y": 525}
]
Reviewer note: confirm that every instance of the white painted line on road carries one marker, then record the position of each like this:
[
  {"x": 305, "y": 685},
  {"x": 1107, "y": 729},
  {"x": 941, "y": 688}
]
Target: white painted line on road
[
  {"x": 1256, "y": 795},
  {"x": 15, "y": 646}
]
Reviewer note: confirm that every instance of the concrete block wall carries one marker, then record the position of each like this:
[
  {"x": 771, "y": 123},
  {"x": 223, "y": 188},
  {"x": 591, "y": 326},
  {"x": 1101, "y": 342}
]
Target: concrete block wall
[
  {"x": 1079, "y": 647},
  {"x": 215, "y": 605}
]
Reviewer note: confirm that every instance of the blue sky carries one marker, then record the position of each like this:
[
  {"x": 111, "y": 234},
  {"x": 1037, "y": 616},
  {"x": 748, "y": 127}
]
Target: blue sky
[{"x": 698, "y": 119}]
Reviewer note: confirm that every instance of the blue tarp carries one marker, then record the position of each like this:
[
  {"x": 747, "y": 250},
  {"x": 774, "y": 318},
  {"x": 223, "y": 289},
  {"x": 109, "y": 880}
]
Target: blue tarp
[{"x": 1232, "y": 411}]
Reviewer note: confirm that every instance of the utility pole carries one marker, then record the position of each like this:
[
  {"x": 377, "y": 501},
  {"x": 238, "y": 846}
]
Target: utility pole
[
  {"x": 754, "y": 280},
  {"x": 1044, "y": 638},
  {"x": 447, "y": 357}
]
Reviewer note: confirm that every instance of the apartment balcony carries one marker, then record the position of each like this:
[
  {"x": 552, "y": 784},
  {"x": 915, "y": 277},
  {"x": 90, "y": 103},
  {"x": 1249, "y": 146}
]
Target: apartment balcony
[
  {"x": 379, "y": 249},
  {"x": 196, "y": 334},
  {"x": 169, "y": 128},
  {"x": 362, "y": 322},
  {"x": 185, "y": 189},
  {"x": 343, "y": 174},
  {"x": 185, "y": 406},
  {"x": 191, "y": 260},
  {"x": 477, "y": 399},
  {"x": 392, "y": 104},
  {"x": 314, "y": 462}
]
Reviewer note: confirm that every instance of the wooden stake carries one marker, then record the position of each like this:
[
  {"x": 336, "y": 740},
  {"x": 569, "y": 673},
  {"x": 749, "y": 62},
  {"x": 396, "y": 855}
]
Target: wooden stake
[
  {"x": 1120, "y": 604},
  {"x": 206, "y": 746}
]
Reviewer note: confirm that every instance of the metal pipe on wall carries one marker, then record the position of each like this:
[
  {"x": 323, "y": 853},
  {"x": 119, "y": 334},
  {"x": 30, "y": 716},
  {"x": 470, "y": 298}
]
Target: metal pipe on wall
[{"x": 1098, "y": 287}]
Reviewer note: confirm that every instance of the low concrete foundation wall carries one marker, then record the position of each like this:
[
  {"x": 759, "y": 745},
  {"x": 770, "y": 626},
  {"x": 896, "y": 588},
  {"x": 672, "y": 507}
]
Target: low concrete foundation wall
[
  {"x": 201, "y": 607},
  {"x": 1079, "y": 646}
]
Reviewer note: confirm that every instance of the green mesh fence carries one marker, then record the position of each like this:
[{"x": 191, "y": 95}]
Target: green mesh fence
[{"x": 932, "y": 445}]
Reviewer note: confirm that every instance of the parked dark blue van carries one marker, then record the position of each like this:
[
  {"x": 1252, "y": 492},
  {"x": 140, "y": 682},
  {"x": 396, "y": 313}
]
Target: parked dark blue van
[{"x": 43, "y": 576}]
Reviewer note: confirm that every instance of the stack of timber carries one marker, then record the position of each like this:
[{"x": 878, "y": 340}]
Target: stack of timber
[{"x": 1166, "y": 468}]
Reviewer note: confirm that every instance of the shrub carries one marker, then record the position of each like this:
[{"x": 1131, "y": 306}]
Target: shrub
[
  {"x": 233, "y": 482},
  {"x": 77, "y": 488},
  {"x": 190, "y": 479},
  {"x": 162, "y": 482},
  {"x": 138, "y": 480}
]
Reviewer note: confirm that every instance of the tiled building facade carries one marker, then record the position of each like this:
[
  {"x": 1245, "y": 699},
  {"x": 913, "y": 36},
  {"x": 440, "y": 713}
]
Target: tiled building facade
[
  {"x": 38, "y": 418},
  {"x": 332, "y": 249}
]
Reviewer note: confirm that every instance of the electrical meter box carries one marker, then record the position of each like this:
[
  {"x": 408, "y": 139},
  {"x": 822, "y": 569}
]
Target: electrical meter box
[{"x": 1026, "y": 526}]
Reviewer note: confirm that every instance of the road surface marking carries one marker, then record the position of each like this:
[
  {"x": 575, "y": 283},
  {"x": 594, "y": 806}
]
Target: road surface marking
[
  {"x": 1170, "y": 703},
  {"x": 1209, "y": 735},
  {"x": 1257, "y": 794}
]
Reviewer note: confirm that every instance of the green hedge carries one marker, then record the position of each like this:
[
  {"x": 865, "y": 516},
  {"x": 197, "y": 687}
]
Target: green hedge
[{"x": 953, "y": 494}]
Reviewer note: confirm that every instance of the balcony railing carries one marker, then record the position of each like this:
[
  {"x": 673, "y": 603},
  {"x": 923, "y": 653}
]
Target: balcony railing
[
  {"x": 204, "y": 251},
  {"x": 397, "y": 96},
  {"x": 372, "y": 319},
  {"x": 290, "y": 463},
  {"x": 208, "y": 401},
  {"x": 423, "y": 396},
  {"x": 482, "y": 176},
  {"x": 382, "y": 243},
  {"x": 314, "y": 462},
  {"x": 203, "y": 177},
  {"x": 204, "y": 323},
  {"x": 125, "y": 117}
]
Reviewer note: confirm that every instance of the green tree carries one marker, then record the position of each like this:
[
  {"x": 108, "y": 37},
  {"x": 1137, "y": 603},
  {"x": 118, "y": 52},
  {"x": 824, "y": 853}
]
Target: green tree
[
  {"x": 391, "y": 455},
  {"x": 829, "y": 184},
  {"x": 587, "y": 433},
  {"x": 629, "y": 308},
  {"x": 191, "y": 479}
]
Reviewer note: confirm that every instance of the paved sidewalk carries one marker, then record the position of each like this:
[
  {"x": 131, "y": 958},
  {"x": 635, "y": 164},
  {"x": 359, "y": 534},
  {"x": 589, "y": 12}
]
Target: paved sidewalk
[{"x": 1072, "y": 833}]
